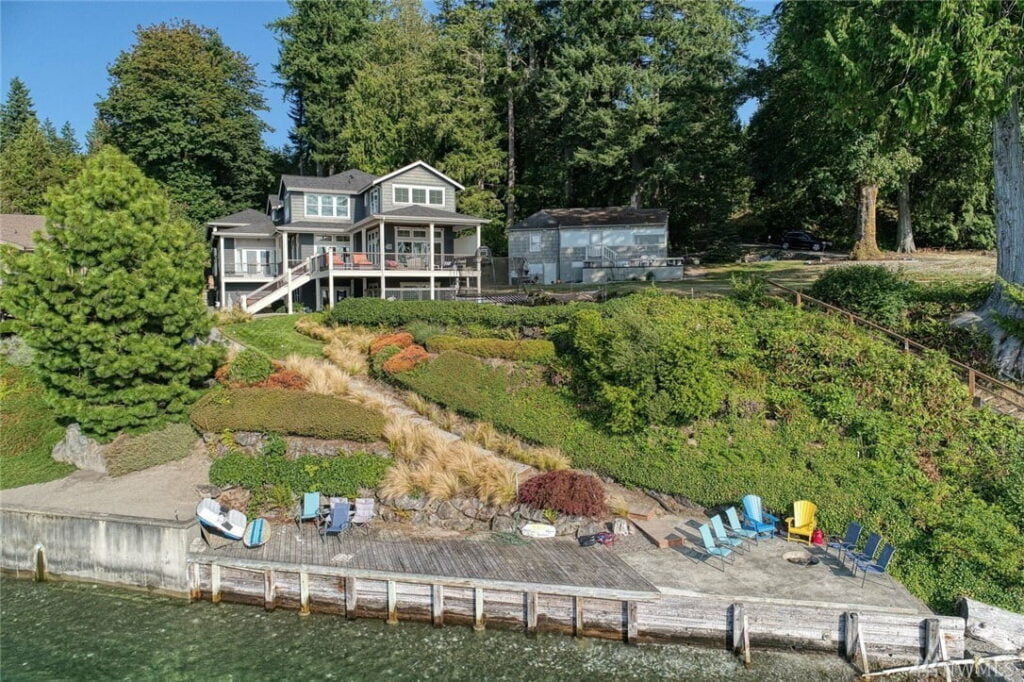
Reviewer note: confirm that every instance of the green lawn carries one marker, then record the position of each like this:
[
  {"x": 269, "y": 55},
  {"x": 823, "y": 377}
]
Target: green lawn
[
  {"x": 275, "y": 336},
  {"x": 28, "y": 431}
]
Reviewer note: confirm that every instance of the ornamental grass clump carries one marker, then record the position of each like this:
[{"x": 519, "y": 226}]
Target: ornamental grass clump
[
  {"x": 320, "y": 377},
  {"x": 346, "y": 357},
  {"x": 568, "y": 492}
]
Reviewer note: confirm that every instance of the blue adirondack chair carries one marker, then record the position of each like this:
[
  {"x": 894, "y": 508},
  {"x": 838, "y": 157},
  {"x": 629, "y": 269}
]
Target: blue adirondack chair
[
  {"x": 756, "y": 518},
  {"x": 337, "y": 519},
  {"x": 711, "y": 548},
  {"x": 870, "y": 547},
  {"x": 736, "y": 528},
  {"x": 721, "y": 537},
  {"x": 309, "y": 508},
  {"x": 847, "y": 543},
  {"x": 879, "y": 566}
]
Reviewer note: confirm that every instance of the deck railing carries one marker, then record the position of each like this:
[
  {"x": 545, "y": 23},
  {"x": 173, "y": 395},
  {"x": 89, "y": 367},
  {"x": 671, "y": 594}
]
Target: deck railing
[
  {"x": 284, "y": 280},
  {"x": 252, "y": 269},
  {"x": 979, "y": 384}
]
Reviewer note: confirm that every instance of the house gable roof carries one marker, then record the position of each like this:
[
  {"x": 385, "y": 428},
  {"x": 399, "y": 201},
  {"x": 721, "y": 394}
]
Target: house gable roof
[
  {"x": 352, "y": 180},
  {"x": 248, "y": 221},
  {"x": 415, "y": 164},
  {"x": 417, "y": 212},
  {"x": 17, "y": 229},
  {"x": 561, "y": 218}
]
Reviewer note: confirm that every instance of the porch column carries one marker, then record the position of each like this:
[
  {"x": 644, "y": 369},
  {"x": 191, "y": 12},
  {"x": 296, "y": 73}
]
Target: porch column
[
  {"x": 431, "y": 242},
  {"x": 319, "y": 300},
  {"x": 478, "y": 259},
  {"x": 383, "y": 265},
  {"x": 283, "y": 253},
  {"x": 220, "y": 269},
  {"x": 330, "y": 279},
  {"x": 288, "y": 275}
]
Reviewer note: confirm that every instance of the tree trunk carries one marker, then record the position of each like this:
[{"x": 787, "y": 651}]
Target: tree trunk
[
  {"x": 510, "y": 186},
  {"x": 866, "y": 247},
  {"x": 636, "y": 167},
  {"x": 1008, "y": 167},
  {"x": 904, "y": 227}
]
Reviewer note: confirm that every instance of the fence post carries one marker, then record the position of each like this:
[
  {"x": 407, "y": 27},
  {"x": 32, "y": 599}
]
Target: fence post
[
  {"x": 799, "y": 300},
  {"x": 971, "y": 380}
]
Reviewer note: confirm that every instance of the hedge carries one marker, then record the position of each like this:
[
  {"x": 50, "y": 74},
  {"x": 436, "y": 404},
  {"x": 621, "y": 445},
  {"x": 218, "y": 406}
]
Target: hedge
[
  {"x": 342, "y": 475},
  {"x": 529, "y": 350},
  {"x": 294, "y": 413},
  {"x": 128, "y": 453},
  {"x": 374, "y": 311}
]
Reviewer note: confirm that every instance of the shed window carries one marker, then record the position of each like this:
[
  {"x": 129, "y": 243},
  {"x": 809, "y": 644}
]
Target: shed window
[{"x": 535, "y": 242}]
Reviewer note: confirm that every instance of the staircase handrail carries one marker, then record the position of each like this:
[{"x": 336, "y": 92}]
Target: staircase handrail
[{"x": 281, "y": 280}]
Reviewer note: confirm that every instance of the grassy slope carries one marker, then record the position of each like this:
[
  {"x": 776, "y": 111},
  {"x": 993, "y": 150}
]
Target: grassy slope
[
  {"x": 28, "y": 431},
  {"x": 275, "y": 336}
]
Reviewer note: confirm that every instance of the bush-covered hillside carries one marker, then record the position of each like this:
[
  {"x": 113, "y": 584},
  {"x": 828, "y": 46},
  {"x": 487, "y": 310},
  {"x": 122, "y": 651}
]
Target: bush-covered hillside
[{"x": 713, "y": 399}]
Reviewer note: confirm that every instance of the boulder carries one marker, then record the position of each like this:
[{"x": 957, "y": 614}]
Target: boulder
[
  {"x": 249, "y": 439},
  {"x": 621, "y": 526},
  {"x": 446, "y": 510},
  {"x": 503, "y": 524},
  {"x": 409, "y": 503},
  {"x": 80, "y": 450},
  {"x": 590, "y": 528},
  {"x": 207, "y": 490}
]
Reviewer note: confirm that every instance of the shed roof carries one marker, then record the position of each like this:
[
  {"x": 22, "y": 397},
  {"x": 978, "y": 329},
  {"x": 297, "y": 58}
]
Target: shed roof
[
  {"x": 17, "y": 229},
  {"x": 351, "y": 180},
  {"x": 248, "y": 221},
  {"x": 562, "y": 218}
]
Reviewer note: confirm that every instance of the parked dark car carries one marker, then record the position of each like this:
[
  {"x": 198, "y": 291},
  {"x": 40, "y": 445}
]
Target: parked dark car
[{"x": 801, "y": 239}]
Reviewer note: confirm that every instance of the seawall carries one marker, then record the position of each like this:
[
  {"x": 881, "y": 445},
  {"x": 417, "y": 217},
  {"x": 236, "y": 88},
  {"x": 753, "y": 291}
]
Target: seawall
[{"x": 150, "y": 554}]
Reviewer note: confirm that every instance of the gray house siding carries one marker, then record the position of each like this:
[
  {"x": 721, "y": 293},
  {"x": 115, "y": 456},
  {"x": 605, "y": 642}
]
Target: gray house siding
[
  {"x": 418, "y": 176},
  {"x": 542, "y": 264}
]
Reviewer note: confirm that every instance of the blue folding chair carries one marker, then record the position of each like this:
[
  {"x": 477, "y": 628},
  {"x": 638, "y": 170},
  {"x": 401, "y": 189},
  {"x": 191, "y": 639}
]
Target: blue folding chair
[
  {"x": 847, "y": 543},
  {"x": 736, "y": 528},
  {"x": 711, "y": 548},
  {"x": 756, "y": 518},
  {"x": 337, "y": 520},
  {"x": 879, "y": 567},
  {"x": 870, "y": 547},
  {"x": 721, "y": 537}
]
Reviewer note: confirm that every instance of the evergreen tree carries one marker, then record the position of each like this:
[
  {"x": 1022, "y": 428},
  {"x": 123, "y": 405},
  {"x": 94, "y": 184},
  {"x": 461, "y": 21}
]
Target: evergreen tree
[
  {"x": 29, "y": 167},
  {"x": 69, "y": 141},
  {"x": 183, "y": 106},
  {"x": 16, "y": 111},
  {"x": 322, "y": 47},
  {"x": 97, "y": 136},
  {"x": 111, "y": 300}
]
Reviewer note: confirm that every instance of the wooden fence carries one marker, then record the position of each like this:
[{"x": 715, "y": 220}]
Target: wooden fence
[{"x": 982, "y": 387}]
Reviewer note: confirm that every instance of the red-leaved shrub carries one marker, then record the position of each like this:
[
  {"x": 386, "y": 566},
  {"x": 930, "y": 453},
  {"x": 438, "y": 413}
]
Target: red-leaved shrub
[
  {"x": 566, "y": 491},
  {"x": 405, "y": 359},
  {"x": 400, "y": 339},
  {"x": 285, "y": 378}
]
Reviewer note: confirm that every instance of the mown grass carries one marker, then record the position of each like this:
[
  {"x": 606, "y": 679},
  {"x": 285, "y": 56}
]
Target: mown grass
[
  {"x": 275, "y": 336},
  {"x": 28, "y": 431}
]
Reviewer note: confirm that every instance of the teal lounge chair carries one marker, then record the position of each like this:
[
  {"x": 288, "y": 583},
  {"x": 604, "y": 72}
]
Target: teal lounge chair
[
  {"x": 309, "y": 509},
  {"x": 756, "y": 518},
  {"x": 738, "y": 530},
  {"x": 721, "y": 537},
  {"x": 711, "y": 548}
]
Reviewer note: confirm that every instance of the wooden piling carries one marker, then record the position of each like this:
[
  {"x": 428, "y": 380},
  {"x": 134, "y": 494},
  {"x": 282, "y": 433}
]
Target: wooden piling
[
  {"x": 303, "y": 593},
  {"x": 215, "y": 583},
  {"x": 268, "y": 590},
  {"x": 631, "y": 625},
  {"x": 737, "y": 628},
  {"x": 854, "y": 640},
  {"x": 577, "y": 614},
  {"x": 392, "y": 606},
  {"x": 437, "y": 605},
  {"x": 478, "y": 609},
  {"x": 350, "y": 597},
  {"x": 531, "y": 613},
  {"x": 195, "y": 587}
]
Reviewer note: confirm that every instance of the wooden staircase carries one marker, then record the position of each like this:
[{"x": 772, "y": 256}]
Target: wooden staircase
[{"x": 278, "y": 288}]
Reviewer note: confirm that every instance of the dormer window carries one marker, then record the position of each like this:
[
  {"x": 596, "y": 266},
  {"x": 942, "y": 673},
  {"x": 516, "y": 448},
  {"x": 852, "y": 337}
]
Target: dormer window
[
  {"x": 327, "y": 205},
  {"x": 425, "y": 196}
]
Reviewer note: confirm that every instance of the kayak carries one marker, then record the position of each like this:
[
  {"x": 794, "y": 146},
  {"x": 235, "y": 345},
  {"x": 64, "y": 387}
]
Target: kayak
[
  {"x": 257, "y": 533},
  {"x": 538, "y": 530}
]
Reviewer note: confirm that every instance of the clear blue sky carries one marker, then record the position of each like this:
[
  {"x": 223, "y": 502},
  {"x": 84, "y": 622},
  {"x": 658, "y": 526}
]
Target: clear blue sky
[{"x": 62, "y": 49}]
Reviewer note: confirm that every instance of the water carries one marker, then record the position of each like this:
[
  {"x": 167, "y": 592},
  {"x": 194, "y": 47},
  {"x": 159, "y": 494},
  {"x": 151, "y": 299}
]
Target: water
[{"x": 72, "y": 631}]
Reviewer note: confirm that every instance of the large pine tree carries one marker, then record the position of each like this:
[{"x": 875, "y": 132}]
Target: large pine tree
[
  {"x": 15, "y": 112},
  {"x": 111, "y": 300},
  {"x": 29, "y": 166},
  {"x": 184, "y": 107}
]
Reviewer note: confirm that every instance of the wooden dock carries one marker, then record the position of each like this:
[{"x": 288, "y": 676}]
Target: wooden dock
[{"x": 549, "y": 585}]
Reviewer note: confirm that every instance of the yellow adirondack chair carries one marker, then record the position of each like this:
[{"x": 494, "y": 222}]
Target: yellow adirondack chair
[{"x": 802, "y": 522}]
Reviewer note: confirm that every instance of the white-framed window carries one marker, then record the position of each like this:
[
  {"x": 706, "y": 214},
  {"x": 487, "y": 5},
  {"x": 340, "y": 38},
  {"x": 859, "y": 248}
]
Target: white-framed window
[
  {"x": 410, "y": 194},
  {"x": 254, "y": 262},
  {"x": 411, "y": 240},
  {"x": 535, "y": 242},
  {"x": 374, "y": 199},
  {"x": 649, "y": 237},
  {"x": 327, "y": 205}
]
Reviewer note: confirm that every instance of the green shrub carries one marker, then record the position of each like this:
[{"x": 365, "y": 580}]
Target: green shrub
[
  {"x": 423, "y": 331},
  {"x": 749, "y": 288},
  {"x": 29, "y": 429},
  {"x": 294, "y": 413},
  {"x": 250, "y": 367},
  {"x": 128, "y": 453},
  {"x": 342, "y": 475},
  {"x": 379, "y": 358},
  {"x": 874, "y": 291},
  {"x": 373, "y": 311},
  {"x": 530, "y": 350}
]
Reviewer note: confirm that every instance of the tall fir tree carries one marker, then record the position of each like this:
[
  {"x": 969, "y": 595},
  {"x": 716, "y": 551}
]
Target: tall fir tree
[
  {"x": 111, "y": 300},
  {"x": 29, "y": 166},
  {"x": 322, "y": 46},
  {"x": 15, "y": 112},
  {"x": 184, "y": 107}
]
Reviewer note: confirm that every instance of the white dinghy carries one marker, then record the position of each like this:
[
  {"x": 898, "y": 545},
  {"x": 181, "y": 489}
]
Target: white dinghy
[{"x": 227, "y": 522}]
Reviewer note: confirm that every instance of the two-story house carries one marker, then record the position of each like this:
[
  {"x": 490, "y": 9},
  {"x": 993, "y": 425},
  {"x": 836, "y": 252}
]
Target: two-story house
[{"x": 321, "y": 239}]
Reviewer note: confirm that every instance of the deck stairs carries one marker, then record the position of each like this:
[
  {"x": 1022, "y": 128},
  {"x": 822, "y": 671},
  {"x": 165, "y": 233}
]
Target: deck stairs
[{"x": 280, "y": 287}]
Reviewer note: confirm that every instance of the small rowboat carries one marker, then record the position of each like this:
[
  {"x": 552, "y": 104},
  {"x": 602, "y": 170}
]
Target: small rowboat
[
  {"x": 227, "y": 522},
  {"x": 538, "y": 530},
  {"x": 256, "y": 533}
]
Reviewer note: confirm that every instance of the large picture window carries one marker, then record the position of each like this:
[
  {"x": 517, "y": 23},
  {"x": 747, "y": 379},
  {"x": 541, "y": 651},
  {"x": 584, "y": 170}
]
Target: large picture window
[
  {"x": 425, "y": 196},
  {"x": 327, "y": 205}
]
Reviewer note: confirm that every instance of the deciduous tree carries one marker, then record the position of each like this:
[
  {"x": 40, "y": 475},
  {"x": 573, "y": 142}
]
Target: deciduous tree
[{"x": 111, "y": 300}]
